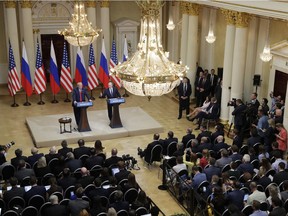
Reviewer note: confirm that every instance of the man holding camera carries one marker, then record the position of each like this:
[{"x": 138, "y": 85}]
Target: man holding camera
[{"x": 239, "y": 115}]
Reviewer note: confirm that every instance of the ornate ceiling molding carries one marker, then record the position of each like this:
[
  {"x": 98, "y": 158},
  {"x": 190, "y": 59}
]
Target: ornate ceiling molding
[
  {"x": 10, "y": 4},
  {"x": 105, "y": 4}
]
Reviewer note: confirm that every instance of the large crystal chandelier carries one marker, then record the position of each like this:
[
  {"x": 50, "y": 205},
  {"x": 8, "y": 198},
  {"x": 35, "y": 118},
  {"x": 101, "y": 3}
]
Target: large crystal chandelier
[
  {"x": 266, "y": 55},
  {"x": 80, "y": 31},
  {"x": 149, "y": 72}
]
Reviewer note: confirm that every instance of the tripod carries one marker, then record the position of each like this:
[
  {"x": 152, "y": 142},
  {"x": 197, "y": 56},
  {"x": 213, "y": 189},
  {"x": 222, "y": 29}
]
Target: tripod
[{"x": 230, "y": 126}]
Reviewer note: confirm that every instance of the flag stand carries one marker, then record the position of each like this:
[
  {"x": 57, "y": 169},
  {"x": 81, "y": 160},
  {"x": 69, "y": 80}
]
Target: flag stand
[
  {"x": 41, "y": 102},
  {"x": 54, "y": 99},
  {"x": 27, "y": 102},
  {"x": 125, "y": 94},
  {"x": 14, "y": 102},
  {"x": 91, "y": 97},
  {"x": 67, "y": 98}
]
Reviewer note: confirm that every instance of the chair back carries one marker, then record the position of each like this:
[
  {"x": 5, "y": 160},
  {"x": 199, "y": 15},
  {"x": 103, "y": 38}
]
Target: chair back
[
  {"x": 226, "y": 168},
  {"x": 123, "y": 182},
  {"x": 89, "y": 188},
  {"x": 7, "y": 171},
  {"x": 244, "y": 150},
  {"x": 255, "y": 164},
  {"x": 106, "y": 182},
  {"x": 3, "y": 205},
  {"x": 226, "y": 213},
  {"x": 45, "y": 179},
  {"x": 122, "y": 213},
  {"x": 68, "y": 191},
  {"x": 77, "y": 173},
  {"x": 256, "y": 147},
  {"x": 10, "y": 213},
  {"x": 29, "y": 211},
  {"x": 59, "y": 195},
  {"x": 264, "y": 206},
  {"x": 245, "y": 189},
  {"x": 53, "y": 163},
  {"x": 112, "y": 197},
  {"x": 271, "y": 172},
  {"x": 286, "y": 205},
  {"x": 101, "y": 214},
  {"x": 188, "y": 144},
  {"x": 260, "y": 188},
  {"x": 171, "y": 162},
  {"x": 131, "y": 195},
  {"x": 43, "y": 207},
  {"x": 247, "y": 210},
  {"x": 64, "y": 202},
  {"x": 102, "y": 155},
  {"x": 19, "y": 201},
  {"x": 95, "y": 171},
  {"x": 156, "y": 153},
  {"x": 141, "y": 211},
  {"x": 104, "y": 201},
  {"x": 83, "y": 158},
  {"x": 202, "y": 188},
  {"x": 25, "y": 181},
  {"x": 172, "y": 147},
  {"x": 37, "y": 201}
]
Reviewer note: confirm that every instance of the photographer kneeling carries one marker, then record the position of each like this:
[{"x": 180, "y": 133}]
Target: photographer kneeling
[{"x": 239, "y": 114}]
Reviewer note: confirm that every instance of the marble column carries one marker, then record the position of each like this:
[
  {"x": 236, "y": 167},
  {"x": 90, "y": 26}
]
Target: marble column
[
  {"x": 192, "y": 46},
  {"x": 227, "y": 65},
  {"x": 211, "y": 47},
  {"x": 184, "y": 32},
  {"x": 26, "y": 9},
  {"x": 105, "y": 23},
  {"x": 239, "y": 56},
  {"x": 12, "y": 31},
  {"x": 203, "y": 42},
  {"x": 91, "y": 15}
]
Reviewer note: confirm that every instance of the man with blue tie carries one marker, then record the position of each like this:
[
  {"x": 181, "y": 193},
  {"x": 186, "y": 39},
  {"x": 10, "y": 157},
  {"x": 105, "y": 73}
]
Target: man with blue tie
[
  {"x": 110, "y": 92},
  {"x": 78, "y": 95}
]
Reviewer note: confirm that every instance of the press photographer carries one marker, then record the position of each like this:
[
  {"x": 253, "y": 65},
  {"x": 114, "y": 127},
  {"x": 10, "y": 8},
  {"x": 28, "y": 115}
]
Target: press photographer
[{"x": 239, "y": 114}]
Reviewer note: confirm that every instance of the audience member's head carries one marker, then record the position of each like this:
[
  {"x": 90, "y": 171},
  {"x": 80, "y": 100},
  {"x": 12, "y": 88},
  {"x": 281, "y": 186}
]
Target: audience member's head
[
  {"x": 33, "y": 180},
  {"x": 53, "y": 199},
  {"x": 281, "y": 166},
  {"x": 234, "y": 148},
  {"x": 66, "y": 172},
  {"x": 81, "y": 142},
  {"x": 212, "y": 161},
  {"x": 156, "y": 136},
  {"x": 253, "y": 186},
  {"x": 42, "y": 162},
  {"x": 111, "y": 212},
  {"x": 254, "y": 132},
  {"x": 246, "y": 158},
  {"x": 13, "y": 181},
  {"x": 84, "y": 212},
  {"x": 179, "y": 160},
  {"x": 285, "y": 185},
  {"x": 70, "y": 156},
  {"x": 195, "y": 169},
  {"x": 189, "y": 131},
  {"x": 98, "y": 146},
  {"x": 64, "y": 144},
  {"x": 79, "y": 192},
  {"x": 52, "y": 150},
  {"x": 179, "y": 145},
  {"x": 256, "y": 205},
  {"x": 118, "y": 195},
  {"x": 18, "y": 152},
  {"x": 97, "y": 182},
  {"x": 276, "y": 202},
  {"x": 84, "y": 171},
  {"x": 34, "y": 151},
  {"x": 121, "y": 165},
  {"x": 170, "y": 134},
  {"x": 203, "y": 127},
  {"x": 224, "y": 153},
  {"x": 220, "y": 139},
  {"x": 21, "y": 164},
  {"x": 114, "y": 152}
]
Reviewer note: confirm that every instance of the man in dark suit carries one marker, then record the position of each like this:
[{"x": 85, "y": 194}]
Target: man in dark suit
[
  {"x": 98, "y": 191},
  {"x": 147, "y": 152},
  {"x": 94, "y": 160},
  {"x": 123, "y": 173},
  {"x": 237, "y": 140},
  {"x": 66, "y": 180},
  {"x": 204, "y": 144},
  {"x": 187, "y": 137},
  {"x": 212, "y": 169},
  {"x": 197, "y": 83},
  {"x": 55, "y": 209},
  {"x": 114, "y": 159},
  {"x": 235, "y": 153},
  {"x": 213, "y": 80},
  {"x": 282, "y": 175},
  {"x": 19, "y": 156},
  {"x": 204, "y": 87},
  {"x": 220, "y": 144},
  {"x": 81, "y": 150},
  {"x": 277, "y": 208},
  {"x": 14, "y": 191},
  {"x": 204, "y": 133},
  {"x": 239, "y": 115},
  {"x": 72, "y": 163},
  {"x": 35, "y": 190},
  {"x": 246, "y": 166},
  {"x": 78, "y": 95},
  {"x": 64, "y": 150},
  {"x": 184, "y": 92},
  {"x": 85, "y": 179},
  {"x": 76, "y": 206},
  {"x": 110, "y": 92},
  {"x": 119, "y": 204},
  {"x": 23, "y": 172},
  {"x": 167, "y": 141},
  {"x": 52, "y": 154},
  {"x": 34, "y": 157},
  {"x": 236, "y": 196}
]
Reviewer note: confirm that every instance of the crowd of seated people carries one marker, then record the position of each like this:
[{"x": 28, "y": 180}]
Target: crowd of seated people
[{"x": 69, "y": 181}]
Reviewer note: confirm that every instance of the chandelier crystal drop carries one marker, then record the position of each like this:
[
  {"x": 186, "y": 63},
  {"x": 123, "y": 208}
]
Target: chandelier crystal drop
[
  {"x": 80, "y": 32},
  {"x": 149, "y": 72},
  {"x": 170, "y": 26},
  {"x": 266, "y": 55},
  {"x": 210, "y": 38}
]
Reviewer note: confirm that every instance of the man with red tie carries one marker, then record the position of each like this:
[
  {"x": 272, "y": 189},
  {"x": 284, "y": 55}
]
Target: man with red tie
[{"x": 78, "y": 95}]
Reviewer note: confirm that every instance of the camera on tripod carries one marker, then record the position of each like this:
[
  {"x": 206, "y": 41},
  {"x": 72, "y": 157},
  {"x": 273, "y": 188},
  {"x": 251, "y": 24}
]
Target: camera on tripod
[
  {"x": 232, "y": 102},
  {"x": 7, "y": 146},
  {"x": 129, "y": 161}
]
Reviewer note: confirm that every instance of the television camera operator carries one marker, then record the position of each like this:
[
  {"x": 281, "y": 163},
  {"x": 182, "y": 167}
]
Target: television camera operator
[
  {"x": 238, "y": 113},
  {"x": 3, "y": 152}
]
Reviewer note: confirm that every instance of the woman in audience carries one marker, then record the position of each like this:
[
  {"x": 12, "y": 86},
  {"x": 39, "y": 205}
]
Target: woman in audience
[
  {"x": 113, "y": 185},
  {"x": 218, "y": 201},
  {"x": 131, "y": 183},
  {"x": 54, "y": 187},
  {"x": 104, "y": 175},
  {"x": 262, "y": 153},
  {"x": 281, "y": 137},
  {"x": 193, "y": 160},
  {"x": 265, "y": 164},
  {"x": 273, "y": 192},
  {"x": 84, "y": 212},
  {"x": 205, "y": 158},
  {"x": 99, "y": 148},
  {"x": 141, "y": 201},
  {"x": 252, "y": 153},
  {"x": 97, "y": 206},
  {"x": 205, "y": 105},
  {"x": 263, "y": 179},
  {"x": 42, "y": 168},
  {"x": 233, "y": 171},
  {"x": 247, "y": 178}
]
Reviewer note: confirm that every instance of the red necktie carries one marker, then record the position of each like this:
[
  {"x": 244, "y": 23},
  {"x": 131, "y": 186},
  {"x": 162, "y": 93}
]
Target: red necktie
[{"x": 80, "y": 93}]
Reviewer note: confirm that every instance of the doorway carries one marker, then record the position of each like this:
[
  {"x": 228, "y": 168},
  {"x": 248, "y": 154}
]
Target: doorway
[{"x": 280, "y": 84}]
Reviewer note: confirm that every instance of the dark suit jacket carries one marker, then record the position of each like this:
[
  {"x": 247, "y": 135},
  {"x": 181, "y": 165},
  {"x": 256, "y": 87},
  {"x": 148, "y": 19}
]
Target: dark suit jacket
[
  {"x": 86, "y": 180},
  {"x": 280, "y": 177},
  {"x": 66, "y": 182},
  {"x": 215, "y": 80},
  {"x": 238, "y": 114},
  {"x": 181, "y": 93},
  {"x": 204, "y": 146},
  {"x": 112, "y": 160},
  {"x": 277, "y": 211},
  {"x": 204, "y": 134},
  {"x": 120, "y": 205},
  {"x": 166, "y": 142},
  {"x": 264, "y": 181},
  {"x": 218, "y": 146},
  {"x": 98, "y": 192},
  {"x": 55, "y": 210},
  {"x": 246, "y": 167},
  {"x": 73, "y": 164},
  {"x": 236, "y": 197},
  {"x": 107, "y": 94},
  {"x": 78, "y": 152},
  {"x": 49, "y": 157},
  {"x": 36, "y": 190},
  {"x": 75, "y": 206},
  {"x": 63, "y": 151},
  {"x": 236, "y": 157},
  {"x": 253, "y": 140},
  {"x": 76, "y": 95},
  {"x": 34, "y": 158},
  {"x": 210, "y": 171},
  {"x": 148, "y": 150},
  {"x": 186, "y": 138},
  {"x": 15, "y": 191},
  {"x": 15, "y": 161},
  {"x": 237, "y": 141},
  {"x": 123, "y": 174},
  {"x": 22, "y": 173},
  {"x": 94, "y": 160},
  {"x": 216, "y": 134},
  {"x": 205, "y": 84}
]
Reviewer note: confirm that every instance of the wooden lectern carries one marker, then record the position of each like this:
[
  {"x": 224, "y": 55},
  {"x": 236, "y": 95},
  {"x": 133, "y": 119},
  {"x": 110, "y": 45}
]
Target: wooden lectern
[
  {"x": 83, "y": 123},
  {"x": 115, "y": 121}
]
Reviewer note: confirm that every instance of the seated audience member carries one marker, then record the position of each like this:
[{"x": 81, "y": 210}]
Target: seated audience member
[
  {"x": 23, "y": 172},
  {"x": 246, "y": 166},
  {"x": 81, "y": 150},
  {"x": 132, "y": 183},
  {"x": 256, "y": 209},
  {"x": 265, "y": 164},
  {"x": 94, "y": 160},
  {"x": 97, "y": 206},
  {"x": 275, "y": 150},
  {"x": 218, "y": 201},
  {"x": 123, "y": 173},
  {"x": 234, "y": 210},
  {"x": 277, "y": 161},
  {"x": 212, "y": 169},
  {"x": 147, "y": 153},
  {"x": 119, "y": 204},
  {"x": 42, "y": 168},
  {"x": 254, "y": 137},
  {"x": 219, "y": 131},
  {"x": 98, "y": 191},
  {"x": 204, "y": 159},
  {"x": 223, "y": 160},
  {"x": 204, "y": 144},
  {"x": 237, "y": 139},
  {"x": 179, "y": 151},
  {"x": 255, "y": 194},
  {"x": 64, "y": 150},
  {"x": 263, "y": 179},
  {"x": 35, "y": 190},
  {"x": 180, "y": 165},
  {"x": 247, "y": 179},
  {"x": 278, "y": 117},
  {"x": 111, "y": 212},
  {"x": 194, "y": 146},
  {"x": 233, "y": 170},
  {"x": 204, "y": 133},
  {"x": 203, "y": 108},
  {"x": 72, "y": 163},
  {"x": 273, "y": 192},
  {"x": 34, "y": 157},
  {"x": 220, "y": 144},
  {"x": 66, "y": 180},
  {"x": 52, "y": 154},
  {"x": 284, "y": 193},
  {"x": 190, "y": 159},
  {"x": 252, "y": 153},
  {"x": 189, "y": 136},
  {"x": 19, "y": 156},
  {"x": 170, "y": 138},
  {"x": 282, "y": 175},
  {"x": 99, "y": 149},
  {"x": 141, "y": 201},
  {"x": 85, "y": 179},
  {"x": 113, "y": 185},
  {"x": 55, "y": 209},
  {"x": 277, "y": 208},
  {"x": 198, "y": 177},
  {"x": 104, "y": 174},
  {"x": 235, "y": 153},
  {"x": 54, "y": 187},
  {"x": 281, "y": 137},
  {"x": 75, "y": 206},
  {"x": 114, "y": 159},
  {"x": 235, "y": 196},
  {"x": 262, "y": 152},
  {"x": 14, "y": 191}
]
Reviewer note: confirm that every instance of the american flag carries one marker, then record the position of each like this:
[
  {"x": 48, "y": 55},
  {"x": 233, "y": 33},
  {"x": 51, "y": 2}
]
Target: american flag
[
  {"x": 65, "y": 78},
  {"x": 13, "y": 79},
  {"x": 113, "y": 62},
  {"x": 40, "y": 79},
  {"x": 92, "y": 72}
]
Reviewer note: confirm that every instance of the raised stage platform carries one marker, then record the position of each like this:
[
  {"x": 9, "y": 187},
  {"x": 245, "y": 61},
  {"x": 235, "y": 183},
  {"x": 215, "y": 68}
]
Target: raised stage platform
[{"x": 45, "y": 130}]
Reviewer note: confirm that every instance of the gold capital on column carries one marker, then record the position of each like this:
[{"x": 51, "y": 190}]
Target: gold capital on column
[
  {"x": 229, "y": 16},
  {"x": 91, "y": 4},
  {"x": 104, "y": 4},
  {"x": 193, "y": 9},
  {"x": 242, "y": 19},
  {"x": 26, "y": 4},
  {"x": 10, "y": 4}
]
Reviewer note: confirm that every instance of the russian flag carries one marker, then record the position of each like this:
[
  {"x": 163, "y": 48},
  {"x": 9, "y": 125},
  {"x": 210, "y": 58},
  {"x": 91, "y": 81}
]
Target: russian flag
[
  {"x": 54, "y": 76},
  {"x": 103, "y": 69},
  {"x": 80, "y": 73},
  {"x": 125, "y": 51},
  {"x": 25, "y": 73}
]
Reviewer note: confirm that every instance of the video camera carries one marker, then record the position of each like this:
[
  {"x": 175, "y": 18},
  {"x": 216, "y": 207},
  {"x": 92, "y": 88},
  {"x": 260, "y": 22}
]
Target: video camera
[
  {"x": 7, "y": 146},
  {"x": 130, "y": 161},
  {"x": 232, "y": 102}
]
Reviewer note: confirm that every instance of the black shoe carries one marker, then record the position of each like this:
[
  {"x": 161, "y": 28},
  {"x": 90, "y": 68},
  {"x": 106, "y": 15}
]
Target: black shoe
[
  {"x": 179, "y": 117},
  {"x": 192, "y": 119},
  {"x": 197, "y": 128}
]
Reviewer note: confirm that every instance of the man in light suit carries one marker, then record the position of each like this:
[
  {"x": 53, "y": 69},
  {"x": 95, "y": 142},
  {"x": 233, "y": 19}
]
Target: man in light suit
[
  {"x": 110, "y": 92},
  {"x": 184, "y": 92},
  {"x": 78, "y": 95}
]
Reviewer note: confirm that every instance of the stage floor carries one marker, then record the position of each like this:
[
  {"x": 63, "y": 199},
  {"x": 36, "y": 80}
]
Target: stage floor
[{"x": 45, "y": 130}]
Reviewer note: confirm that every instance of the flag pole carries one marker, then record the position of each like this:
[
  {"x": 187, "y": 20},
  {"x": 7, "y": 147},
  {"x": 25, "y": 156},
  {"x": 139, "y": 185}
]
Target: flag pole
[
  {"x": 91, "y": 95},
  {"x": 27, "y": 102},
  {"x": 67, "y": 98},
  {"x": 41, "y": 102},
  {"x": 54, "y": 99},
  {"x": 14, "y": 102},
  {"x": 125, "y": 93}
]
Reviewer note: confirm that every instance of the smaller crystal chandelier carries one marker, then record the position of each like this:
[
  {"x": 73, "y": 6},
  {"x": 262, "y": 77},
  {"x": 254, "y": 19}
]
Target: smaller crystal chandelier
[
  {"x": 80, "y": 32},
  {"x": 170, "y": 26},
  {"x": 210, "y": 38},
  {"x": 266, "y": 55}
]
